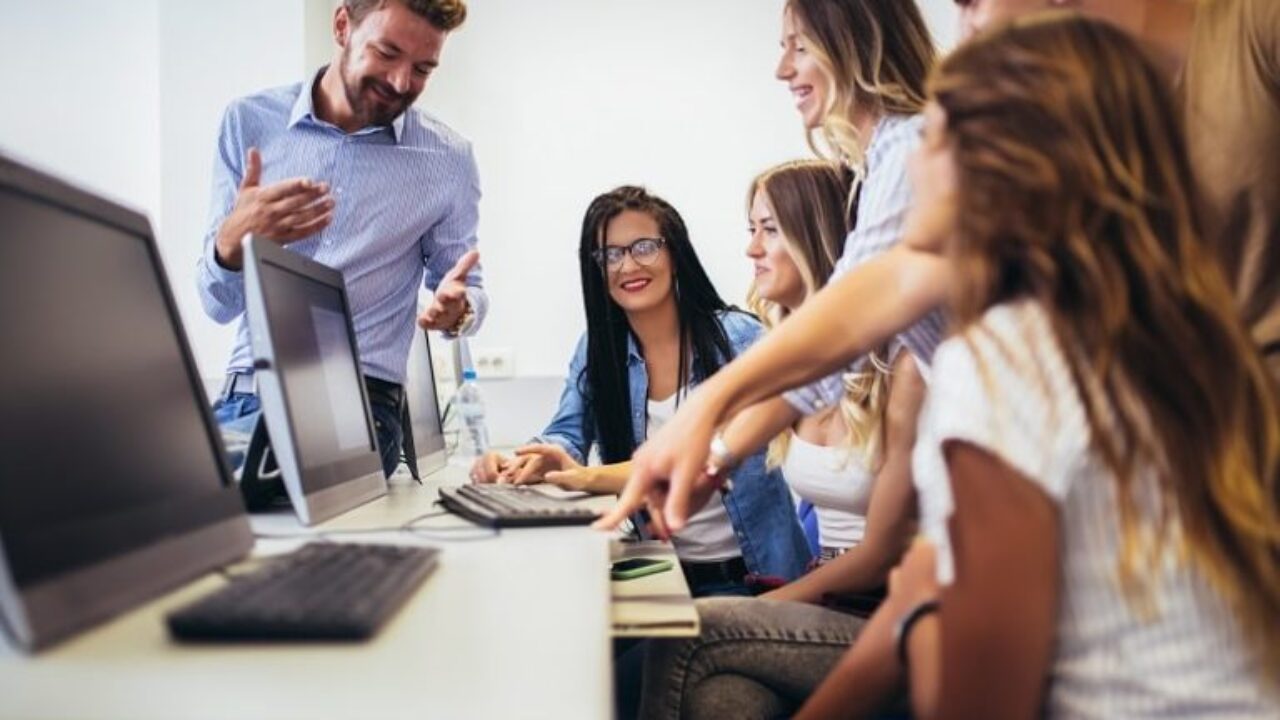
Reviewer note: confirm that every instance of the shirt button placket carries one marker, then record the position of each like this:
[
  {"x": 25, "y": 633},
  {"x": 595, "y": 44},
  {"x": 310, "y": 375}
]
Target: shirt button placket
[{"x": 336, "y": 188}]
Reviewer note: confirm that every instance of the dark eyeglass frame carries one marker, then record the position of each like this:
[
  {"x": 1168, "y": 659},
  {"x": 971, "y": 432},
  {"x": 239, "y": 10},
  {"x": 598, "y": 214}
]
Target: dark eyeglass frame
[{"x": 611, "y": 257}]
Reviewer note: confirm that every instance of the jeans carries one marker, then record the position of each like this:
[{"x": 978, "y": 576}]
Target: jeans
[
  {"x": 754, "y": 659},
  {"x": 388, "y": 420},
  {"x": 719, "y": 588},
  {"x": 628, "y": 654},
  {"x": 237, "y": 413}
]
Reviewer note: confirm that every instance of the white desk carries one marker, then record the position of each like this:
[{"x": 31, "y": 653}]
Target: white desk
[
  {"x": 656, "y": 605},
  {"x": 512, "y": 627}
]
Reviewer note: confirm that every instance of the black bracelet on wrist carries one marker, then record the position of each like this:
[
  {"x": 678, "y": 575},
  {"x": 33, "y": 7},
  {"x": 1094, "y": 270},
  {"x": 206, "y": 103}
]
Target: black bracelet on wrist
[{"x": 908, "y": 621}]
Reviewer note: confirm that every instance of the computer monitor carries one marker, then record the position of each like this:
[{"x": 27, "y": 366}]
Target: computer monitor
[
  {"x": 313, "y": 393},
  {"x": 114, "y": 485},
  {"x": 426, "y": 430}
]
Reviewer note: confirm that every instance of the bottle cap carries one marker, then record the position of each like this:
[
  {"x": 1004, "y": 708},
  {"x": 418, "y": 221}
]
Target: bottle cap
[{"x": 468, "y": 374}]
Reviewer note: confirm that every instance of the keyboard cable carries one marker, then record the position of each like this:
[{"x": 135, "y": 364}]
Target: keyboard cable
[{"x": 412, "y": 527}]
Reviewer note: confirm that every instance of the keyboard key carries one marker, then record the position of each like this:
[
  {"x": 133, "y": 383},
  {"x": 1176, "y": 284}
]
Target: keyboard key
[
  {"x": 324, "y": 591},
  {"x": 513, "y": 506}
]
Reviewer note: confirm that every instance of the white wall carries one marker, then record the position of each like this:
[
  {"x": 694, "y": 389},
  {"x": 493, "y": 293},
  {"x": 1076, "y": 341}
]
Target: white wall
[
  {"x": 564, "y": 100},
  {"x": 124, "y": 98},
  {"x": 211, "y": 53},
  {"x": 944, "y": 21},
  {"x": 80, "y": 82}
]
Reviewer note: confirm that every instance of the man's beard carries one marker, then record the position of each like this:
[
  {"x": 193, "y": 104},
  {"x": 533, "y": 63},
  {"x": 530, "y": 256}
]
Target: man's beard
[{"x": 367, "y": 110}]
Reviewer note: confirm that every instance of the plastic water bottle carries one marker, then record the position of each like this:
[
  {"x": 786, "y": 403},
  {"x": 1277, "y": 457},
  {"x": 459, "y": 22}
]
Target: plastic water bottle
[{"x": 470, "y": 407}]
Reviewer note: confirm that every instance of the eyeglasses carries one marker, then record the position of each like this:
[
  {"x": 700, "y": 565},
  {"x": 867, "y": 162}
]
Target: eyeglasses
[{"x": 644, "y": 251}]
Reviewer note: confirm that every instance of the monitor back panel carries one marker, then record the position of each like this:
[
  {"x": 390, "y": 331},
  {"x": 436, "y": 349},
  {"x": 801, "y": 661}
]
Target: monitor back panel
[
  {"x": 313, "y": 394},
  {"x": 424, "y": 406}
]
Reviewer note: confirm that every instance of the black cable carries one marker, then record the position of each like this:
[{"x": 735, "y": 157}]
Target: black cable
[
  {"x": 284, "y": 536},
  {"x": 464, "y": 533},
  {"x": 448, "y": 534},
  {"x": 444, "y": 414},
  {"x": 408, "y": 524},
  {"x": 8, "y": 630}
]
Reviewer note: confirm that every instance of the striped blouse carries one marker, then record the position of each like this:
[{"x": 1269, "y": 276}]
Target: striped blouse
[
  {"x": 1004, "y": 386},
  {"x": 883, "y": 203}
]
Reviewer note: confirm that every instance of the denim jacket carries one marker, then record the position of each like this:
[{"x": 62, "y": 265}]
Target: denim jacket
[{"x": 759, "y": 506}]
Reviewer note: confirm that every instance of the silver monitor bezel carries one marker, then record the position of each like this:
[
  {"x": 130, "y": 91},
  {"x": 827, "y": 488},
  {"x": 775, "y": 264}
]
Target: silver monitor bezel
[
  {"x": 428, "y": 462},
  {"x": 56, "y": 608},
  {"x": 364, "y": 477}
]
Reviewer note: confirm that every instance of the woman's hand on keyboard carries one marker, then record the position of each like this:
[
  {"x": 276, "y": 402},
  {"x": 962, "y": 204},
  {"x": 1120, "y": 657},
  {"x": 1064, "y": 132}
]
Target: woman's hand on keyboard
[
  {"x": 540, "y": 459},
  {"x": 488, "y": 468},
  {"x": 582, "y": 479}
]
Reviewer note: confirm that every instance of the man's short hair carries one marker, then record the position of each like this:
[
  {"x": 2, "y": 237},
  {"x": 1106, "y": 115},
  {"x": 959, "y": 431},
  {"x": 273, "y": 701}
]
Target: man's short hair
[{"x": 446, "y": 15}]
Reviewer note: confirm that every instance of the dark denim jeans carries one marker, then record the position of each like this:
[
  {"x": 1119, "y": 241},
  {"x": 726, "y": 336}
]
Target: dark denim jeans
[
  {"x": 754, "y": 659},
  {"x": 387, "y": 421},
  {"x": 628, "y": 654},
  {"x": 237, "y": 413}
]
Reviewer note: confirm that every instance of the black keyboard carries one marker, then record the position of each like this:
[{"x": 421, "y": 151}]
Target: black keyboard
[
  {"x": 513, "y": 506},
  {"x": 324, "y": 591}
]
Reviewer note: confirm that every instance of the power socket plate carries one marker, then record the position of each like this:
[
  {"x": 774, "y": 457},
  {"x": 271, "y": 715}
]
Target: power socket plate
[{"x": 494, "y": 362}]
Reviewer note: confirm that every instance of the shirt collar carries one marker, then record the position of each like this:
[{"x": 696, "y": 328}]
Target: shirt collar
[
  {"x": 877, "y": 140},
  {"x": 889, "y": 126},
  {"x": 633, "y": 349},
  {"x": 303, "y": 108}
]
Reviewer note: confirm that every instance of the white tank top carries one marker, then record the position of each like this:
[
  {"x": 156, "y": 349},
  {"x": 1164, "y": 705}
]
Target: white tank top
[
  {"x": 837, "y": 483},
  {"x": 708, "y": 536}
]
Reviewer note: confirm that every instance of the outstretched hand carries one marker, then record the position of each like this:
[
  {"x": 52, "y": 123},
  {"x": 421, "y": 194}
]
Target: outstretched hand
[
  {"x": 668, "y": 473},
  {"x": 283, "y": 212},
  {"x": 451, "y": 295}
]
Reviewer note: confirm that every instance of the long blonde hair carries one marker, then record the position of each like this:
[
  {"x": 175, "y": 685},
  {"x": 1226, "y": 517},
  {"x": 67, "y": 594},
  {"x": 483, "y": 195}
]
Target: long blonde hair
[
  {"x": 876, "y": 56},
  {"x": 1077, "y": 191},
  {"x": 807, "y": 200}
]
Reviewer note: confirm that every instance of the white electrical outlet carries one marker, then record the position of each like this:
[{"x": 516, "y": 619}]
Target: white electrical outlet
[{"x": 494, "y": 362}]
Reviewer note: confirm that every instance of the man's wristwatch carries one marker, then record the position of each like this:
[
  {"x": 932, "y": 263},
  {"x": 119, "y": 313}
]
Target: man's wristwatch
[{"x": 463, "y": 322}]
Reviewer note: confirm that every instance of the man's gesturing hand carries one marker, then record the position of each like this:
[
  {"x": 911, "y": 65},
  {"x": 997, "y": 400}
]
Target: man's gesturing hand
[
  {"x": 451, "y": 295},
  {"x": 283, "y": 212}
]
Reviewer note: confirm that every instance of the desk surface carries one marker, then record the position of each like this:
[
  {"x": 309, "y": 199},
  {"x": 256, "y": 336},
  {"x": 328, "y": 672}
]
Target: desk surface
[
  {"x": 654, "y": 605},
  {"x": 483, "y": 638}
]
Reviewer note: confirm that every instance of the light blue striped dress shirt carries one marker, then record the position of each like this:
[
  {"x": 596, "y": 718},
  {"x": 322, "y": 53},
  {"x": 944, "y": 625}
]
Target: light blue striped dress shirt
[
  {"x": 406, "y": 211},
  {"x": 881, "y": 218}
]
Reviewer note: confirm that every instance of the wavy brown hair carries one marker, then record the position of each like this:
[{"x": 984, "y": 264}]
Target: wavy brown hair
[
  {"x": 807, "y": 200},
  {"x": 447, "y": 15},
  {"x": 876, "y": 54},
  {"x": 1077, "y": 194}
]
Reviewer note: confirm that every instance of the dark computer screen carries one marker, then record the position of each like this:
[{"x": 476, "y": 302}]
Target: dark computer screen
[
  {"x": 316, "y": 360},
  {"x": 105, "y": 445},
  {"x": 424, "y": 405}
]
